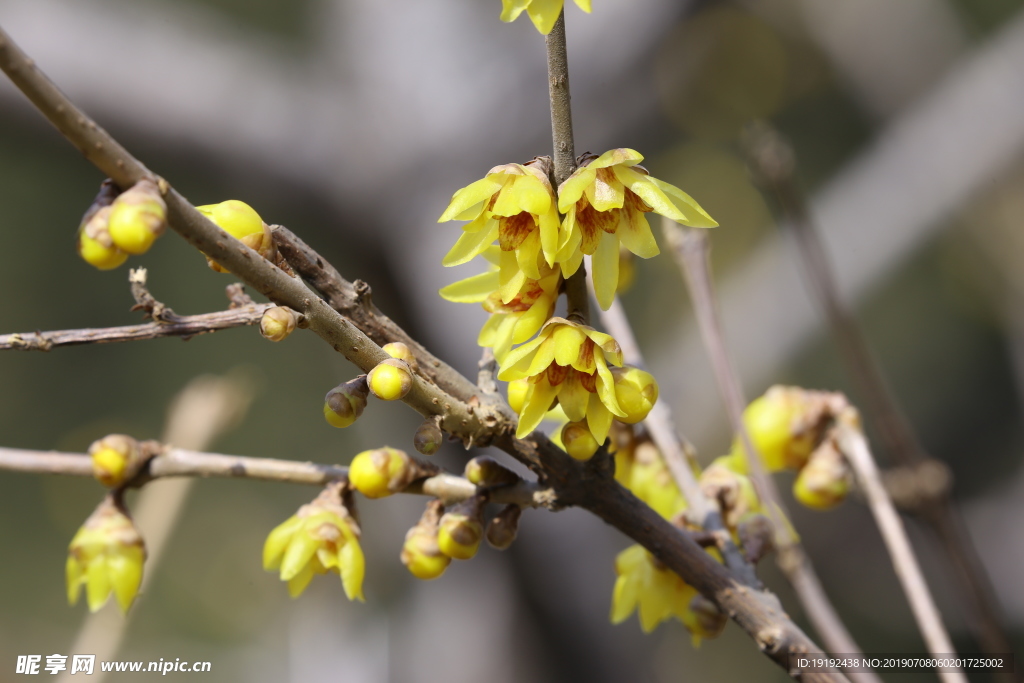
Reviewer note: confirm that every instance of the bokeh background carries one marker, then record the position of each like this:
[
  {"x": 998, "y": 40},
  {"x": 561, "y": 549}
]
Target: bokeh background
[{"x": 352, "y": 122}]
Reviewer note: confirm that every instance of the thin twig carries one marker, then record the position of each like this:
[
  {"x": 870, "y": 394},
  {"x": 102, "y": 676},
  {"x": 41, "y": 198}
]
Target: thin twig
[
  {"x": 773, "y": 164},
  {"x": 690, "y": 248},
  {"x": 179, "y": 462},
  {"x": 573, "y": 483},
  {"x": 677, "y": 458},
  {"x": 564, "y": 157},
  {"x": 929, "y": 620}
]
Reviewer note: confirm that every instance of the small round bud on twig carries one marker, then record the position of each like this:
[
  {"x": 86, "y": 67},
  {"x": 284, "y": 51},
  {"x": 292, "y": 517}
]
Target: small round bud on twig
[
  {"x": 345, "y": 403},
  {"x": 278, "y": 322},
  {"x": 461, "y": 530},
  {"x": 420, "y": 552},
  {"x": 241, "y": 221},
  {"x": 756, "y": 536},
  {"x": 382, "y": 471},
  {"x": 578, "y": 441},
  {"x": 428, "y": 437},
  {"x": 95, "y": 245},
  {"x": 138, "y": 217},
  {"x": 401, "y": 351},
  {"x": 824, "y": 481},
  {"x": 390, "y": 380},
  {"x": 504, "y": 527},
  {"x": 116, "y": 459},
  {"x": 486, "y": 471}
]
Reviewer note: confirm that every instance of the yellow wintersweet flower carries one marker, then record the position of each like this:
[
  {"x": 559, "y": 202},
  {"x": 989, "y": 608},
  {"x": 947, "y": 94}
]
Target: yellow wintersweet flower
[
  {"x": 643, "y": 584},
  {"x": 106, "y": 556},
  {"x": 512, "y": 322},
  {"x": 650, "y": 480},
  {"x": 543, "y": 13},
  {"x": 604, "y": 202},
  {"x": 321, "y": 537},
  {"x": 514, "y": 204},
  {"x": 569, "y": 362}
]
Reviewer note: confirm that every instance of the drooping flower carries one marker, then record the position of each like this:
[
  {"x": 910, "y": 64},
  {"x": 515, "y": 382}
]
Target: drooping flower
[
  {"x": 514, "y": 204},
  {"x": 643, "y": 471},
  {"x": 543, "y": 13},
  {"x": 568, "y": 362},
  {"x": 653, "y": 590},
  {"x": 321, "y": 537},
  {"x": 512, "y": 322},
  {"x": 106, "y": 556},
  {"x": 604, "y": 202}
]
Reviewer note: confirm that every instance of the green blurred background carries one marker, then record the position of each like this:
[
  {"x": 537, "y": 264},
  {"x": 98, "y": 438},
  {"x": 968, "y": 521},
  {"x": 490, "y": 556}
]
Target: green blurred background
[{"x": 351, "y": 122}]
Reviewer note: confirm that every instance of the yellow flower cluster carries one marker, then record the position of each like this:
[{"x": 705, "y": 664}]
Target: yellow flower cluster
[
  {"x": 789, "y": 428},
  {"x": 644, "y": 584},
  {"x": 321, "y": 537},
  {"x": 534, "y": 238}
]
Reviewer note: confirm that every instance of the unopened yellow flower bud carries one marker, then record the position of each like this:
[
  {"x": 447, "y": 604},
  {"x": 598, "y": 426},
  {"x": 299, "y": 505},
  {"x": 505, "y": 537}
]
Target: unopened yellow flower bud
[
  {"x": 461, "y": 530},
  {"x": 504, "y": 527},
  {"x": 390, "y": 380},
  {"x": 115, "y": 459},
  {"x": 420, "y": 552},
  {"x": 241, "y": 221},
  {"x": 345, "y": 403},
  {"x": 138, "y": 217},
  {"x": 824, "y": 481},
  {"x": 106, "y": 556},
  {"x": 517, "y": 389},
  {"x": 484, "y": 470},
  {"x": 278, "y": 322},
  {"x": 428, "y": 437},
  {"x": 382, "y": 471},
  {"x": 95, "y": 245},
  {"x": 578, "y": 441},
  {"x": 636, "y": 390},
  {"x": 401, "y": 351}
]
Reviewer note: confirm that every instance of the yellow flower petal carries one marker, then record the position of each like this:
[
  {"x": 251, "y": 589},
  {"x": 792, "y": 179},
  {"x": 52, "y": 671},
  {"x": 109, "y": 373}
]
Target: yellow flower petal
[
  {"x": 537, "y": 403},
  {"x": 510, "y": 278},
  {"x": 570, "y": 191},
  {"x": 504, "y": 336},
  {"x": 472, "y": 290},
  {"x": 510, "y": 9},
  {"x": 97, "y": 583},
  {"x": 277, "y": 542},
  {"x": 75, "y": 577},
  {"x": 530, "y": 321},
  {"x": 467, "y": 197},
  {"x": 353, "y": 569},
  {"x": 567, "y": 342},
  {"x": 298, "y": 583},
  {"x": 647, "y": 190},
  {"x": 606, "y": 387},
  {"x": 620, "y": 156},
  {"x": 606, "y": 192},
  {"x": 298, "y": 554},
  {"x": 584, "y": 5},
  {"x": 634, "y": 232},
  {"x": 544, "y": 14},
  {"x": 529, "y": 194},
  {"x": 606, "y": 269},
  {"x": 573, "y": 397},
  {"x": 623, "y": 599},
  {"x": 549, "y": 224},
  {"x": 599, "y": 418},
  {"x": 544, "y": 356},
  {"x": 517, "y": 363},
  {"x": 695, "y": 216},
  {"x": 125, "y": 570},
  {"x": 527, "y": 255},
  {"x": 470, "y": 244}
]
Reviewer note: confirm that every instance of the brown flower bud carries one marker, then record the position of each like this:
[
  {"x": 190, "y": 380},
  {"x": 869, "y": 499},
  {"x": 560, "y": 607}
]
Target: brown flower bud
[
  {"x": 428, "y": 437},
  {"x": 278, "y": 322},
  {"x": 486, "y": 471},
  {"x": 345, "y": 402},
  {"x": 504, "y": 527}
]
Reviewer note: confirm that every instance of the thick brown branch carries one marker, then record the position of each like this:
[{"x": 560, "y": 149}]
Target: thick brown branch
[{"x": 769, "y": 626}]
